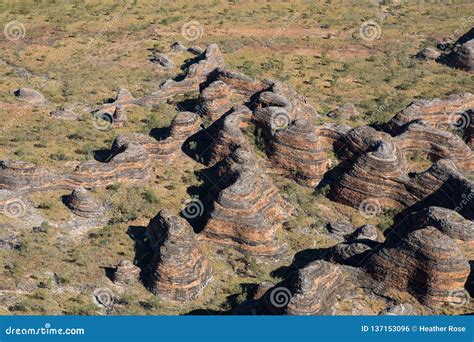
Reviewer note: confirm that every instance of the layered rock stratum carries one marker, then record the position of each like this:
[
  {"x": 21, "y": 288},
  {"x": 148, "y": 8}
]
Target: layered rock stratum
[{"x": 180, "y": 269}]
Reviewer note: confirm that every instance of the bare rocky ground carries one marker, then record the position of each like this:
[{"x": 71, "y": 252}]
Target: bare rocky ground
[{"x": 252, "y": 159}]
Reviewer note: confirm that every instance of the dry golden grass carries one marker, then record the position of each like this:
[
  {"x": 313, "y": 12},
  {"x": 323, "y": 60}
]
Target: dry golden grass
[{"x": 79, "y": 55}]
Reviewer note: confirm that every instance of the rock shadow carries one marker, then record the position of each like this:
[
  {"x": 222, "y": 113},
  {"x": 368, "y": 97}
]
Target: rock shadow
[
  {"x": 301, "y": 260},
  {"x": 247, "y": 292},
  {"x": 143, "y": 252}
]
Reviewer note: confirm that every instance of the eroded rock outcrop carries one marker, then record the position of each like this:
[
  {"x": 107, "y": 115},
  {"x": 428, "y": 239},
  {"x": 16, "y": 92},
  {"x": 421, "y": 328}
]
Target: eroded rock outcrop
[
  {"x": 438, "y": 112},
  {"x": 229, "y": 135},
  {"x": 375, "y": 169},
  {"x": 404, "y": 309},
  {"x": 346, "y": 111},
  {"x": 162, "y": 60},
  {"x": 297, "y": 152},
  {"x": 447, "y": 221},
  {"x": 215, "y": 100},
  {"x": 314, "y": 289},
  {"x": 65, "y": 114},
  {"x": 376, "y": 174},
  {"x": 126, "y": 273},
  {"x": 444, "y": 186},
  {"x": 248, "y": 210},
  {"x": 178, "y": 47},
  {"x": 196, "y": 74},
  {"x": 124, "y": 99},
  {"x": 240, "y": 83},
  {"x": 357, "y": 247},
  {"x": 183, "y": 125},
  {"x": 180, "y": 270},
  {"x": 435, "y": 144},
  {"x": 24, "y": 177},
  {"x": 31, "y": 96},
  {"x": 428, "y": 53},
  {"x": 462, "y": 56},
  {"x": 426, "y": 263},
  {"x": 119, "y": 117},
  {"x": 82, "y": 203},
  {"x": 132, "y": 164}
]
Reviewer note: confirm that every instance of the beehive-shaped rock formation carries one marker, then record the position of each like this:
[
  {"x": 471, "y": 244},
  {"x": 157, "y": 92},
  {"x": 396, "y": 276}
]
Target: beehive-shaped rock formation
[
  {"x": 82, "y": 203},
  {"x": 215, "y": 100},
  {"x": 447, "y": 221},
  {"x": 180, "y": 270},
  {"x": 375, "y": 175},
  {"x": 126, "y": 273},
  {"x": 229, "y": 135},
  {"x": 314, "y": 289},
  {"x": 296, "y": 150},
  {"x": 310, "y": 291},
  {"x": 248, "y": 210},
  {"x": 426, "y": 263}
]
